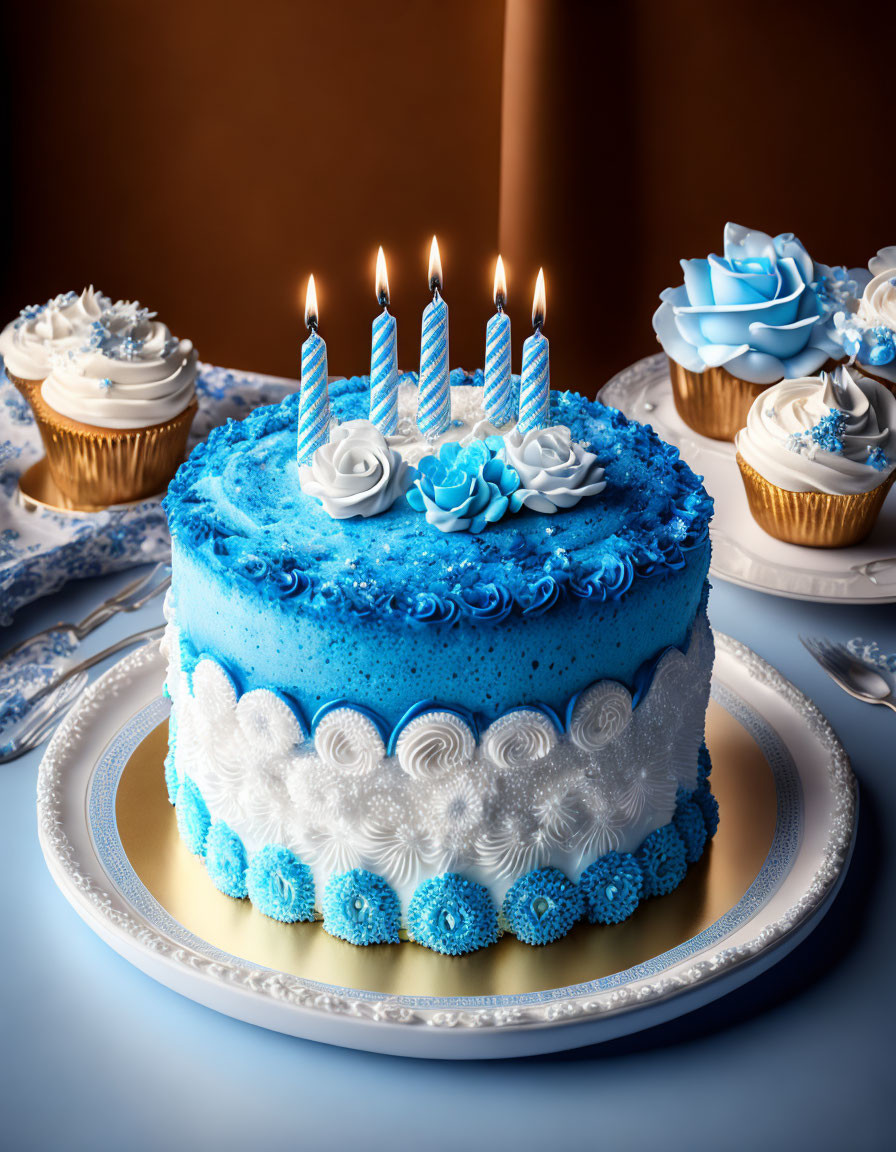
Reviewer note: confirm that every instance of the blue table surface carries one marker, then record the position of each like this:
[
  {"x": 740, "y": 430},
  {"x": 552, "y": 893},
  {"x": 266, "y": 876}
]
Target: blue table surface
[{"x": 96, "y": 1055}]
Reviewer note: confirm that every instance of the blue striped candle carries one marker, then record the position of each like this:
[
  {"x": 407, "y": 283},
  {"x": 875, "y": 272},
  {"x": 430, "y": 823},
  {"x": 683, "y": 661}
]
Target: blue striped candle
[
  {"x": 535, "y": 384},
  {"x": 384, "y": 359},
  {"x": 535, "y": 380},
  {"x": 384, "y": 374},
  {"x": 497, "y": 396},
  {"x": 314, "y": 397},
  {"x": 434, "y": 396}
]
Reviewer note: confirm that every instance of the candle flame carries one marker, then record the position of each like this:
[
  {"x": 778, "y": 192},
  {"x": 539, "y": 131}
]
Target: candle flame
[
  {"x": 435, "y": 267},
  {"x": 382, "y": 280},
  {"x": 311, "y": 317},
  {"x": 539, "y": 306},
  {"x": 500, "y": 296}
]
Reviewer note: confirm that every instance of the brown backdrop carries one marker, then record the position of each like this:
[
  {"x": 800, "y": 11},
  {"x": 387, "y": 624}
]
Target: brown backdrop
[{"x": 205, "y": 158}]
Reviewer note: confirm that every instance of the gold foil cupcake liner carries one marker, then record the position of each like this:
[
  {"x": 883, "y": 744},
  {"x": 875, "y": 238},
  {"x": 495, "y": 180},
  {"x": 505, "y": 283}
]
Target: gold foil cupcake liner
[
  {"x": 715, "y": 403},
  {"x": 21, "y": 383},
  {"x": 813, "y": 519},
  {"x": 94, "y": 467}
]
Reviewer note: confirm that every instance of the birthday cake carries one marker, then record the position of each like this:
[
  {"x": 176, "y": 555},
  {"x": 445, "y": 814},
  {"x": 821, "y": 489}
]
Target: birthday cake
[{"x": 440, "y": 688}]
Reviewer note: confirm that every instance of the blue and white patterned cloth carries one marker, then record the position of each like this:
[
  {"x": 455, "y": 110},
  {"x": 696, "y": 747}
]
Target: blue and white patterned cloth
[{"x": 41, "y": 550}]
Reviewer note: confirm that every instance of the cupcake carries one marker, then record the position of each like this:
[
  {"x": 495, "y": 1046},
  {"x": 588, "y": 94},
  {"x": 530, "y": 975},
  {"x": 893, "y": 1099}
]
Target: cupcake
[
  {"x": 114, "y": 414},
  {"x": 868, "y": 333},
  {"x": 741, "y": 322},
  {"x": 818, "y": 456},
  {"x": 44, "y": 330}
]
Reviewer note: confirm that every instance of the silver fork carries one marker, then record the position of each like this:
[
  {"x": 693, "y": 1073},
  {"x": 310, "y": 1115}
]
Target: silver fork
[
  {"x": 37, "y": 724},
  {"x": 54, "y": 698},
  {"x": 126, "y": 600},
  {"x": 851, "y": 674}
]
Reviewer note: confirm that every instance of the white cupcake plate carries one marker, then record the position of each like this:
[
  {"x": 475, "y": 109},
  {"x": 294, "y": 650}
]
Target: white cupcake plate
[
  {"x": 815, "y": 801},
  {"x": 741, "y": 552}
]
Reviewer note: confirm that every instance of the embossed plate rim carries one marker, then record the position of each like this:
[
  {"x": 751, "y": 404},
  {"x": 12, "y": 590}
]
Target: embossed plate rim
[{"x": 479, "y": 1027}]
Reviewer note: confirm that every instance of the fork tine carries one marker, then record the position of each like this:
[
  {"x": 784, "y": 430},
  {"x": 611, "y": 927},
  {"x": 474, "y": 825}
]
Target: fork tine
[
  {"x": 136, "y": 602},
  {"x": 836, "y": 654},
  {"x": 134, "y": 585},
  {"x": 42, "y": 719}
]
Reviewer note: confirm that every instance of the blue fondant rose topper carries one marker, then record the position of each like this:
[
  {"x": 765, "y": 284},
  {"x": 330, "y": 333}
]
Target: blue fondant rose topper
[
  {"x": 759, "y": 311},
  {"x": 463, "y": 488},
  {"x": 467, "y": 487}
]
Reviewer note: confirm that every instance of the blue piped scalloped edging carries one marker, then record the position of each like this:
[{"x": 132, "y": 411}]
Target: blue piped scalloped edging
[
  {"x": 643, "y": 679},
  {"x": 450, "y": 913},
  {"x": 644, "y": 552}
]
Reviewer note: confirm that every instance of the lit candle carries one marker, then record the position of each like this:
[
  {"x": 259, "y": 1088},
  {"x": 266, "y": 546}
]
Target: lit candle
[
  {"x": 497, "y": 396},
  {"x": 434, "y": 397},
  {"x": 535, "y": 383},
  {"x": 314, "y": 398},
  {"x": 383, "y": 359}
]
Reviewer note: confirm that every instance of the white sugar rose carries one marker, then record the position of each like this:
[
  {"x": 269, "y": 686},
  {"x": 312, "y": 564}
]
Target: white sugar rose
[
  {"x": 554, "y": 471},
  {"x": 357, "y": 473}
]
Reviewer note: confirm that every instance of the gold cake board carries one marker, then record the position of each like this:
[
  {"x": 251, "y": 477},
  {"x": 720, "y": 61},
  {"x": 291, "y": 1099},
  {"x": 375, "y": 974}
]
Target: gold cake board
[{"x": 741, "y": 780}]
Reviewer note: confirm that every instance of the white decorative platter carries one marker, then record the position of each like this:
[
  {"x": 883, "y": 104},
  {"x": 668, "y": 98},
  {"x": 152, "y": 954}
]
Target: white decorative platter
[
  {"x": 741, "y": 552},
  {"x": 810, "y": 849}
]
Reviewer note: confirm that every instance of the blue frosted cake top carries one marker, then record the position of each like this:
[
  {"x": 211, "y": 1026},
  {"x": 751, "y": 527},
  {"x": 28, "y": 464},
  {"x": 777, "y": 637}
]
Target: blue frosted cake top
[{"x": 237, "y": 502}]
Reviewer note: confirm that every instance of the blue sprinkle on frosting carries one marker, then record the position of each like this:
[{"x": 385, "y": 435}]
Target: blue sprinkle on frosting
[
  {"x": 690, "y": 826},
  {"x": 611, "y": 888},
  {"x": 360, "y": 907},
  {"x": 828, "y": 432},
  {"x": 172, "y": 780},
  {"x": 662, "y": 860},
  {"x": 452, "y": 915},
  {"x": 193, "y": 820},
  {"x": 704, "y": 764},
  {"x": 225, "y": 859},
  {"x": 542, "y": 906},
  {"x": 280, "y": 885},
  {"x": 709, "y": 806}
]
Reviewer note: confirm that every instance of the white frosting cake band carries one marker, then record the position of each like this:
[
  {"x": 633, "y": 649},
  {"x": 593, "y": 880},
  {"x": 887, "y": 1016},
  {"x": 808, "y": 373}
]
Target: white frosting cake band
[{"x": 525, "y": 796}]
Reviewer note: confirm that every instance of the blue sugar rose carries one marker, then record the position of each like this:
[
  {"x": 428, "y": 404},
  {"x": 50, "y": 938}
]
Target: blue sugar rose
[
  {"x": 463, "y": 489},
  {"x": 754, "y": 311}
]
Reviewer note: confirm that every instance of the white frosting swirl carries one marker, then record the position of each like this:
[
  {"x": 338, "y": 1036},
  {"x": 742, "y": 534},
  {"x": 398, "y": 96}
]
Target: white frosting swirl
[
  {"x": 268, "y": 722},
  {"x": 433, "y": 744},
  {"x": 348, "y": 741},
  {"x": 600, "y": 714},
  {"x": 519, "y": 738},
  {"x": 554, "y": 471},
  {"x": 778, "y": 444},
  {"x": 884, "y": 261},
  {"x": 132, "y": 374},
  {"x": 356, "y": 473},
  {"x": 877, "y": 308},
  {"x": 878, "y": 303},
  {"x": 29, "y": 343}
]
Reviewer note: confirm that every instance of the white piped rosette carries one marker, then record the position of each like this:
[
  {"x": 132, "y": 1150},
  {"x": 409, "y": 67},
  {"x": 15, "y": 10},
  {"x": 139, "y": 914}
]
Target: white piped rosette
[
  {"x": 268, "y": 722},
  {"x": 433, "y": 744},
  {"x": 348, "y": 741},
  {"x": 519, "y": 738},
  {"x": 600, "y": 714},
  {"x": 356, "y": 473}
]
